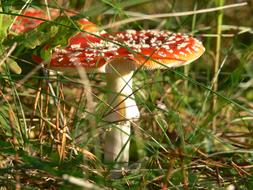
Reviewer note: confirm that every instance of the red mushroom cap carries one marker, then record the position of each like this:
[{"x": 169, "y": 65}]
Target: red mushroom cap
[
  {"x": 24, "y": 24},
  {"x": 86, "y": 25},
  {"x": 145, "y": 48},
  {"x": 76, "y": 54}
]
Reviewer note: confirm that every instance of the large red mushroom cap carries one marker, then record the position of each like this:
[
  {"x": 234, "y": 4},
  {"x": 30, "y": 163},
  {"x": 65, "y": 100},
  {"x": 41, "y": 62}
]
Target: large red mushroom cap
[
  {"x": 152, "y": 47},
  {"x": 77, "y": 54},
  {"x": 148, "y": 48},
  {"x": 86, "y": 25}
]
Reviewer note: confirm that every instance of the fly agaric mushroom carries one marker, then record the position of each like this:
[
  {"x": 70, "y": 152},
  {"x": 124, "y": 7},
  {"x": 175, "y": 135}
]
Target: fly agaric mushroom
[{"x": 119, "y": 55}]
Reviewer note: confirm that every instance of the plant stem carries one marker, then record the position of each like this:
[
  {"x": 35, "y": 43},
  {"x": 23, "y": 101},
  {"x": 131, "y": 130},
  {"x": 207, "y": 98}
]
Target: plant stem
[
  {"x": 217, "y": 60},
  {"x": 187, "y": 67}
]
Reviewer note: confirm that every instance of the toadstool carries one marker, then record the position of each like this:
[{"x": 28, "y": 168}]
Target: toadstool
[{"x": 119, "y": 55}]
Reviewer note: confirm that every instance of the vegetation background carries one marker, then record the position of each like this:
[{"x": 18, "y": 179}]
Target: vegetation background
[{"x": 195, "y": 130}]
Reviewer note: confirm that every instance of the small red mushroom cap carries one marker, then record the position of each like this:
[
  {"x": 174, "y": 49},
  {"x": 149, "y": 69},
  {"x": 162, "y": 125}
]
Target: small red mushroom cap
[
  {"x": 24, "y": 23},
  {"x": 148, "y": 48}
]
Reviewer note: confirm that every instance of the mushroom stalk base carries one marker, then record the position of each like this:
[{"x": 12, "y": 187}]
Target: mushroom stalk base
[
  {"x": 122, "y": 111},
  {"x": 116, "y": 146}
]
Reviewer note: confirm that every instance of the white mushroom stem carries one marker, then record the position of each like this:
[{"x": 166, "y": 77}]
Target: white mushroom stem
[{"x": 122, "y": 111}]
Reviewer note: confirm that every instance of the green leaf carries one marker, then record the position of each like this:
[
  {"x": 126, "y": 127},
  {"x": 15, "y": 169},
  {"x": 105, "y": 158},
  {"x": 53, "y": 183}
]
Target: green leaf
[
  {"x": 33, "y": 39},
  {"x": 5, "y": 21},
  {"x": 13, "y": 66},
  {"x": 4, "y": 123},
  {"x": 48, "y": 33},
  {"x": 219, "y": 2},
  {"x": 6, "y": 6}
]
